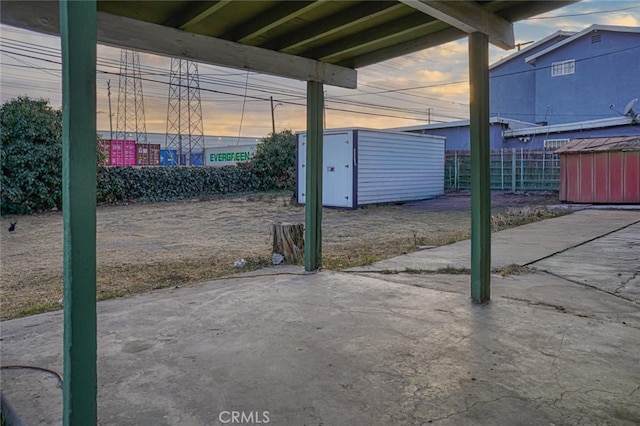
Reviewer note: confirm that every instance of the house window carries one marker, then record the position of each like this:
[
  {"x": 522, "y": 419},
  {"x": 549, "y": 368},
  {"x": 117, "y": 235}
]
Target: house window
[
  {"x": 563, "y": 68},
  {"x": 555, "y": 143}
]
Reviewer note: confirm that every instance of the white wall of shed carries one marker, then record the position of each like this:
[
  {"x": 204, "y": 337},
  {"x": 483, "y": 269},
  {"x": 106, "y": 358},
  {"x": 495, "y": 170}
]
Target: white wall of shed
[{"x": 399, "y": 167}]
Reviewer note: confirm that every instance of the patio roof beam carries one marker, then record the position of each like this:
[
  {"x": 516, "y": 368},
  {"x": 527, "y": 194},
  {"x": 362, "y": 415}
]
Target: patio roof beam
[
  {"x": 142, "y": 36},
  {"x": 469, "y": 17},
  {"x": 198, "y": 11}
]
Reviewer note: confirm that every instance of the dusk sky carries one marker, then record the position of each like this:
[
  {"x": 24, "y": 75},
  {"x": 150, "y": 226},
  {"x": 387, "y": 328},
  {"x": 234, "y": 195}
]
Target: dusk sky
[{"x": 406, "y": 91}]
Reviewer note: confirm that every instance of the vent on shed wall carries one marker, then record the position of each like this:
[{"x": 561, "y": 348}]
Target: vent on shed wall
[{"x": 596, "y": 38}]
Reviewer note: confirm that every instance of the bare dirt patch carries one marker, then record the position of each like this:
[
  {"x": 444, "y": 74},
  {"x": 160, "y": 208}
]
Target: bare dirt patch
[{"x": 145, "y": 246}]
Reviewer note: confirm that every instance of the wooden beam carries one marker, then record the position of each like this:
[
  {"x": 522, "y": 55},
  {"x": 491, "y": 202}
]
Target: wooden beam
[
  {"x": 404, "y": 48},
  {"x": 480, "y": 171},
  {"x": 269, "y": 20},
  {"x": 469, "y": 17},
  {"x": 357, "y": 15},
  {"x": 78, "y": 39},
  {"x": 404, "y": 27},
  {"x": 132, "y": 34},
  {"x": 313, "y": 199},
  {"x": 194, "y": 12}
]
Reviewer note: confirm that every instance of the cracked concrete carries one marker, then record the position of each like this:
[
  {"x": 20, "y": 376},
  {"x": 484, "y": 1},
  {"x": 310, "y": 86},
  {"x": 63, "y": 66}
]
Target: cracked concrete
[{"x": 365, "y": 348}]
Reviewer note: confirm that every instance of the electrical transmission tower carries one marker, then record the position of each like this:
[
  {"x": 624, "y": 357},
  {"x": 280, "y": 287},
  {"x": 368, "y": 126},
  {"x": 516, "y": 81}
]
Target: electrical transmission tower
[
  {"x": 184, "y": 112},
  {"x": 130, "y": 121}
]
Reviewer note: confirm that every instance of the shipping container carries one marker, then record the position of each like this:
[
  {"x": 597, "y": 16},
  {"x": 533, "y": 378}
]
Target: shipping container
[
  {"x": 147, "y": 154},
  {"x": 365, "y": 166},
  {"x": 229, "y": 155},
  {"x": 600, "y": 170},
  {"x": 168, "y": 157},
  {"x": 195, "y": 159},
  {"x": 106, "y": 150},
  {"x": 121, "y": 152}
]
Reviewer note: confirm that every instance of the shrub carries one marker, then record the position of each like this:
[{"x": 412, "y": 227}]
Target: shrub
[
  {"x": 31, "y": 156},
  {"x": 274, "y": 163}
]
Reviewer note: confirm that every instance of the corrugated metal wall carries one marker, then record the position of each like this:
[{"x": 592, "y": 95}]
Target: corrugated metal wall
[
  {"x": 398, "y": 167},
  {"x": 600, "y": 177}
]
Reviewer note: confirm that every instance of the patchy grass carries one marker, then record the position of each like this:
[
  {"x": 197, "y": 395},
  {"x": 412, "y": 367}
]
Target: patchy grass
[
  {"x": 514, "y": 269},
  {"x": 39, "y": 290},
  {"x": 521, "y": 216},
  {"x": 36, "y": 307}
]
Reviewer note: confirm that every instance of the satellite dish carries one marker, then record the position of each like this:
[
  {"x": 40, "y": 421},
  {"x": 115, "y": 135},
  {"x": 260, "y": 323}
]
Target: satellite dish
[{"x": 628, "y": 110}]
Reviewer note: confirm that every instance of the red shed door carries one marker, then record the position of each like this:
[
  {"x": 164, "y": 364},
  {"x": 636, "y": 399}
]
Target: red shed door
[
  {"x": 616, "y": 177},
  {"x": 573, "y": 178},
  {"x": 601, "y": 177},
  {"x": 632, "y": 177},
  {"x": 586, "y": 192},
  {"x": 563, "y": 177}
]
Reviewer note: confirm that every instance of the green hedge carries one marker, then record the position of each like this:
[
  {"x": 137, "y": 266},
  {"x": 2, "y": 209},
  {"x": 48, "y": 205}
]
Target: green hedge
[
  {"x": 31, "y": 162},
  {"x": 171, "y": 183}
]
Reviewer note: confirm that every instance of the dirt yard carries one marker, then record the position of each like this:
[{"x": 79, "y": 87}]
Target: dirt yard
[{"x": 144, "y": 246}]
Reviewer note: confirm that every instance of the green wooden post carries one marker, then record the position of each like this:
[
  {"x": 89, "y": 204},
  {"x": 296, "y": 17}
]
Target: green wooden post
[
  {"x": 313, "y": 199},
  {"x": 480, "y": 161},
  {"x": 78, "y": 36}
]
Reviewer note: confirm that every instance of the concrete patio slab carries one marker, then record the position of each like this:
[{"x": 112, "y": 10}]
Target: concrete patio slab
[
  {"x": 617, "y": 269},
  {"x": 522, "y": 245},
  {"x": 286, "y": 348}
]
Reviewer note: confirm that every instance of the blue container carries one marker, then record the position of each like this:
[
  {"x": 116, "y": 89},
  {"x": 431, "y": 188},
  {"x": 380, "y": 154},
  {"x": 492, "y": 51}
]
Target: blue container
[
  {"x": 196, "y": 160},
  {"x": 168, "y": 157}
]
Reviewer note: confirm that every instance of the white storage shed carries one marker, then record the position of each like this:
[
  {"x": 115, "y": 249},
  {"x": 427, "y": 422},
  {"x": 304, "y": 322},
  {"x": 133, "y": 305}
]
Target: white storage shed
[{"x": 366, "y": 166}]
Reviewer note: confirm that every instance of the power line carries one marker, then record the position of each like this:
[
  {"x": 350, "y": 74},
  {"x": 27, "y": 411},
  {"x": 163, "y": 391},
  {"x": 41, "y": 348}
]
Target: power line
[
  {"x": 583, "y": 14},
  {"x": 298, "y": 94}
]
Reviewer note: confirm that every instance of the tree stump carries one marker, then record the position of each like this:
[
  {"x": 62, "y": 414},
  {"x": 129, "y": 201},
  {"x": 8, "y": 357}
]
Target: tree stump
[{"x": 288, "y": 240}]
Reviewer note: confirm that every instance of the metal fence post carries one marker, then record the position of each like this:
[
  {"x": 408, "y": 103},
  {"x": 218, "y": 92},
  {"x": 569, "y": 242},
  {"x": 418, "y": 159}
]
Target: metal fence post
[
  {"x": 521, "y": 169},
  {"x": 455, "y": 169},
  {"x": 502, "y": 168},
  {"x": 513, "y": 170},
  {"x": 544, "y": 178}
]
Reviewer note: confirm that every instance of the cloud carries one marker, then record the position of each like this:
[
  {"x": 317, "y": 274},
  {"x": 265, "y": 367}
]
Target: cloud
[
  {"x": 452, "y": 92},
  {"x": 625, "y": 20},
  {"x": 430, "y": 75}
]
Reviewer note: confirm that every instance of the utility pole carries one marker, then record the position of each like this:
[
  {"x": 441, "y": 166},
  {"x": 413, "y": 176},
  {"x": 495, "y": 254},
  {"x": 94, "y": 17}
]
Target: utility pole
[
  {"x": 110, "y": 114},
  {"x": 273, "y": 118},
  {"x": 273, "y": 114},
  {"x": 519, "y": 45},
  {"x": 428, "y": 115}
]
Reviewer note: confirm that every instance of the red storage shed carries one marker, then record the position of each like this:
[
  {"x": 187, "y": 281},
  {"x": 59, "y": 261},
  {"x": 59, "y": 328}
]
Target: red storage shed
[{"x": 600, "y": 170}]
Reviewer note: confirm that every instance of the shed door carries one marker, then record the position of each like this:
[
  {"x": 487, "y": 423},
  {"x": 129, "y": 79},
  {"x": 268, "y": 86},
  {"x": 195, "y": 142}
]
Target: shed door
[{"x": 337, "y": 170}]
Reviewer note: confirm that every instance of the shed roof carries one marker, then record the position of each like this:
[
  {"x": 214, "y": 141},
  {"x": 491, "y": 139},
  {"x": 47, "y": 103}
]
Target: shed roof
[
  {"x": 619, "y": 143},
  {"x": 322, "y": 41}
]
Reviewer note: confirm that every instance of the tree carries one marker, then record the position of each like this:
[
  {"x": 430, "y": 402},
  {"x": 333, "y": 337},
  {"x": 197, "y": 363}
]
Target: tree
[
  {"x": 274, "y": 163},
  {"x": 30, "y": 156}
]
